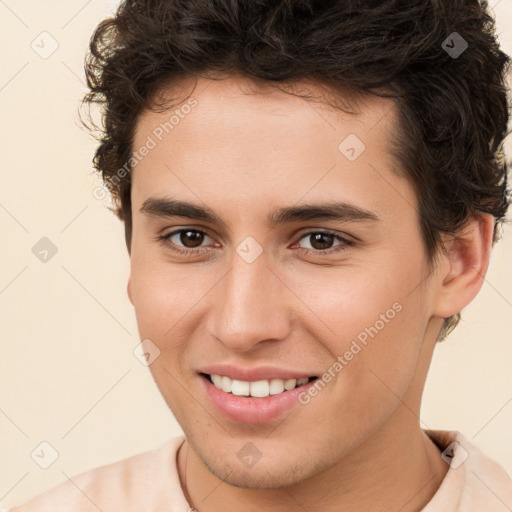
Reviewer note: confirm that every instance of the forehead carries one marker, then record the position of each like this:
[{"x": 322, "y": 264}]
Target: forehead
[
  {"x": 238, "y": 138},
  {"x": 241, "y": 101}
]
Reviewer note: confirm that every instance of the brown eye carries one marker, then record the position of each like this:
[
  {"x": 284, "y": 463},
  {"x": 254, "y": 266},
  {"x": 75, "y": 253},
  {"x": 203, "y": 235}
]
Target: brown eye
[
  {"x": 321, "y": 242},
  {"x": 191, "y": 238},
  {"x": 185, "y": 239}
]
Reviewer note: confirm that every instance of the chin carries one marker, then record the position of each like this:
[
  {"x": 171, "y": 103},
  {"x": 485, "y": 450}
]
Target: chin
[{"x": 261, "y": 476}]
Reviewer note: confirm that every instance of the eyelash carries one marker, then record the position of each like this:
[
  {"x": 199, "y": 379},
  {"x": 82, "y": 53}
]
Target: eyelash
[{"x": 165, "y": 239}]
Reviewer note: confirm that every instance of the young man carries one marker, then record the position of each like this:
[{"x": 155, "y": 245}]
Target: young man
[{"x": 310, "y": 193}]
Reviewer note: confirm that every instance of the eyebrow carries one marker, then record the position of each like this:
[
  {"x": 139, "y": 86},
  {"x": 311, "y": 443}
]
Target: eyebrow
[{"x": 333, "y": 210}]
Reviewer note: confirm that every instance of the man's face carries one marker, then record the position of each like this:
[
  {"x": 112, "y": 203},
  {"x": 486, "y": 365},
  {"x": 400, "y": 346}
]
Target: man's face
[{"x": 251, "y": 289}]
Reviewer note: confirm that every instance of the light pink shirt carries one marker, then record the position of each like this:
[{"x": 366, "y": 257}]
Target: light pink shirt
[{"x": 149, "y": 482}]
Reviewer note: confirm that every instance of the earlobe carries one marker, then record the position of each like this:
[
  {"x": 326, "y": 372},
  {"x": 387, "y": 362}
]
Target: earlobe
[{"x": 467, "y": 260}]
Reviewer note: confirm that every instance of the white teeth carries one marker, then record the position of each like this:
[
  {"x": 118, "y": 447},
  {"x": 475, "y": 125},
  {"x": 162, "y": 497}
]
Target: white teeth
[
  {"x": 217, "y": 380},
  {"x": 260, "y": 388},
  {"x": 226, "y": 384},
  {"x": 239, "y": 387},
  {"x": 276, "y": 386},
  {"x": 290, "y": 384}
]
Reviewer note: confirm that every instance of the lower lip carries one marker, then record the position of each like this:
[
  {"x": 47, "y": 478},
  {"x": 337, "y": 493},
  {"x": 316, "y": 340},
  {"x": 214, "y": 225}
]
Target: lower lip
[{"x": 253, "y": 410}]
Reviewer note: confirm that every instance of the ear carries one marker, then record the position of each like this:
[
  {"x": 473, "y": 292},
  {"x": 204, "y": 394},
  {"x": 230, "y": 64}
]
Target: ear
[
  {"x": 464, "y": 265},
  {"x": 129, "y": 291}
]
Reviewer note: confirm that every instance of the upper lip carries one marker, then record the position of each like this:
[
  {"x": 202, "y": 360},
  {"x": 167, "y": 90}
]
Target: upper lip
[{"x": 253, "y": 374}]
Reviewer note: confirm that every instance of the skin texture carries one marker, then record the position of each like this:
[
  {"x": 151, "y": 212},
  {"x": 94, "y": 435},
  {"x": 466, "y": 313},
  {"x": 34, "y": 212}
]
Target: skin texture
[{"x": 244, "y": 151}]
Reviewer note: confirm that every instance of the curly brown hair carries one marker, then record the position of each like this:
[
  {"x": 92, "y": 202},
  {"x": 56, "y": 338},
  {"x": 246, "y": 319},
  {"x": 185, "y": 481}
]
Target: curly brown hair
[{"x": 453, "y": 108}]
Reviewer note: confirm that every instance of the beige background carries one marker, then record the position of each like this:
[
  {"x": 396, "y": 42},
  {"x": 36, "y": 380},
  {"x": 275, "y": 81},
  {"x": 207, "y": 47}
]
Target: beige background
[{"x": 68, "y": 374}]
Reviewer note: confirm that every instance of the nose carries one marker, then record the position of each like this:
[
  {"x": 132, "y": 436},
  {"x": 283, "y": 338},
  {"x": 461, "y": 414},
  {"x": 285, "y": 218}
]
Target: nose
[{"x": 250, "y": 306}]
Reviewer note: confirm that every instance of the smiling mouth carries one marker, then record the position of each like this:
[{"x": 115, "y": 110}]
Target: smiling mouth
[{"x": 259, "y": 389}]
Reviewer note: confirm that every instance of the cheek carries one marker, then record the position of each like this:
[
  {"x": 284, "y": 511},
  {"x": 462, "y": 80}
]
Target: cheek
[
  {"x": 376, "y": 343},
  {"x": 370, "y": 318},
  {"x": 347, "y": 300},
  {"x": 162, "y": 293}
]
